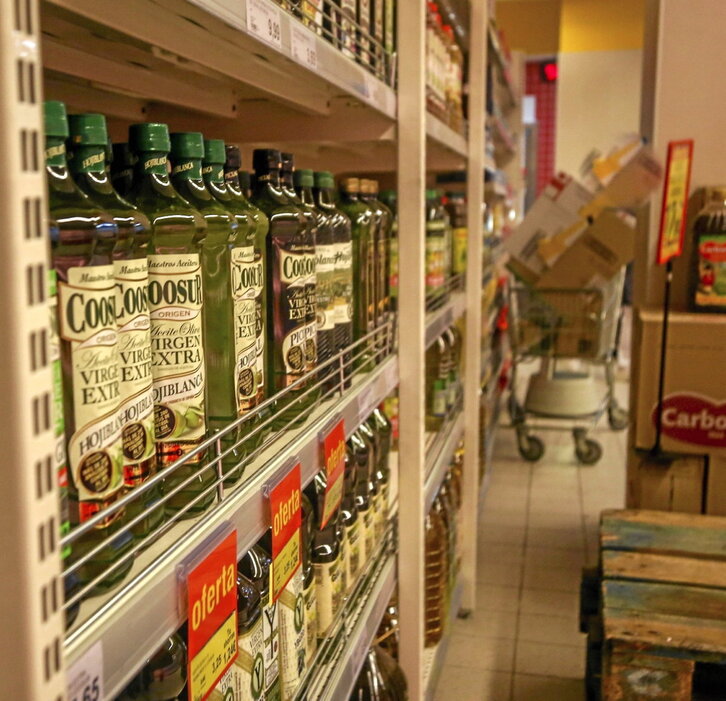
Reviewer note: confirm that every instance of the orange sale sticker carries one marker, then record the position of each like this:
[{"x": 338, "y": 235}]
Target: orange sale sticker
[
  {"x": 286, "y": 519},
  {"x": 333, "y": 445}
]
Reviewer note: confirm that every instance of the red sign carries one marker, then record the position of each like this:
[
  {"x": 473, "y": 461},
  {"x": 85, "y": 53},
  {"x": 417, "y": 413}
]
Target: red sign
[
  {"x": 285, "y": 518},
  {"x": 675, "y": 200},
  {"x": 693, "y": 419},
  {"x": 334, "y": 462},
  {"x": 212, "y": 618}
]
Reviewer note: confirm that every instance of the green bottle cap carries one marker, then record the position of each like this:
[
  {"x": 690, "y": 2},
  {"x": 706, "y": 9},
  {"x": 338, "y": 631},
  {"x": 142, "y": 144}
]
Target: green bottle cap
[
  {"x": 150, "y": 136},
  {"x": 432, "y": 194},
  {"x": 56, "y": 121},
  {"x": 391, "y": 195},
  {"x": 187, "y": 144},
  {"x": 214, "y": 151},
  {"x": 324, "y": 179},
  {"x": 88, "y": 129},
  {"x": 303, "y": 177}
]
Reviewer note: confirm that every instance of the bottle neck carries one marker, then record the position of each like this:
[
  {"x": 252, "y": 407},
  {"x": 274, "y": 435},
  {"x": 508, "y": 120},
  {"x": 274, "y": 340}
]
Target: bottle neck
[
  {"x": 231, "y": 177},
  {"x": 55, "y": 152},
  {"x": 306, "y": 195},
  {"x": 265, "y": 180},
  {"x": 152, "y": 163},
  {"x": 213, "y": 173},
  {"x": 88, "y": 159},
  {"x": 324, "y": 197},
  {"x": 187, "y": 169}
]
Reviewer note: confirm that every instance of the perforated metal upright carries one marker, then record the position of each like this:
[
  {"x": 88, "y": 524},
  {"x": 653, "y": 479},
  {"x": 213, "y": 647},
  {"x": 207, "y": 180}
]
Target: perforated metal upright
[{"x": 30, "y": 586}]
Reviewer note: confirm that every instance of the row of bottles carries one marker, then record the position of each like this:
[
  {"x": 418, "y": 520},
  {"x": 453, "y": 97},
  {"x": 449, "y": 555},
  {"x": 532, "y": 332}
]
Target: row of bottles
[
  {"x": 278, "y": 640},
  {"x": 183, "y": 302},
  {"x": 443, "y": 376},
  {"x": 444, "y": 70},
  {"x": 442, "y": 558}
]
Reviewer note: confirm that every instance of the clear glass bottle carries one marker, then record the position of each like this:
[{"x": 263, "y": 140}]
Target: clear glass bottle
[
  {"x": 369, "y": 434},
  {"x": 82, "y": 240},
  {"x": 88, "y": 140},
  {"x": 176, "y": 311},
  {"x": 453, "y": 339}
]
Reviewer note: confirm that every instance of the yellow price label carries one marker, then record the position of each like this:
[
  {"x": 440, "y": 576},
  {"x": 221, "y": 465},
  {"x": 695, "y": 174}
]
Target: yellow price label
[
  {"x": 216, "y": 655},
  {"x": 285, "y": 564},
  {"x": 675, "y": 200}
]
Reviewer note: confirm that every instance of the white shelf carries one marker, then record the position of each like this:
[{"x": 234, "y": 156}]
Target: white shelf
[
  {"x": 439, "y": 320},
  {"x": 131, "y": 622},
  {"x": 438, "y": 458}
]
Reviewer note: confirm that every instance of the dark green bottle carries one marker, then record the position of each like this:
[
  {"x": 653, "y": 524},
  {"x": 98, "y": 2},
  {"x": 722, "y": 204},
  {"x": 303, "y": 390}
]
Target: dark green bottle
[
  {"x": 287, "y": 273},
  {"x": 360, "y": 450},
  {"x": 88, "y": 139},
  {"x": 287, "y": 179},
  {"x": 350, "y": 521},
  {"x": 309, "y": 592},
  {"x": 122, "y": 168},
  {"x": 383, "y": 431},
  {"x": 390, "y": 199},
  {"x": 364, "y": 273},
  {"x": 176, "y": 307},
  {"x": 82, "y": 242},
  {"x": 324, "y": 269},
  {"x": 376, "y": 478},
  {"x": 164, "y": 675},
  {"x": 343, "y": 279}
]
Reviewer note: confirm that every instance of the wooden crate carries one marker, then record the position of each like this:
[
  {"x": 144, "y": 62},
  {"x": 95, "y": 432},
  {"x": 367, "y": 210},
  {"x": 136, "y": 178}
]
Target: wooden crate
[{"x": 662, "y": 602}]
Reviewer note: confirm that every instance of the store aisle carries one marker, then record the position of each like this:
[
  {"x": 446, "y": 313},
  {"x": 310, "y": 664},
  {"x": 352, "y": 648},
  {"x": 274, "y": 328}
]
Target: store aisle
[{"x": 537, "y": 529}]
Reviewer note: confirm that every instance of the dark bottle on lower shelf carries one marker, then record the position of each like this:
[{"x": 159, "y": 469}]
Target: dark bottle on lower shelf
[
  {"x": 350, "y": 522},
  {"x": 380, "y": 679},
  {"x": 309, "y": 593},
  {"x": 376, "y": 480},
  {"x": 363, "y": 487},
  {"x": 164, "y": 675}
]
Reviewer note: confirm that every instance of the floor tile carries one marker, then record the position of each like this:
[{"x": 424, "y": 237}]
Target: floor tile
[
  {"x": 502, "y": 574},
  {"x": 558, "y": 578},
  {"x": 559, "y": 630},
  {"x": 499, "y": 533},
  {"x": 563, "y": 538},
  {"x": 488, "y": 624},
  {"x": 555, "y": 519},
  {"x": 496, "y": 598},
  {"x": 484, "y": 685},
  {"x": 536, "y": 556},
  {"x": 530, "y": 687},
  {"x": 499, "y": 552},
  {"x": 550, "y": 602},
  {"x": 550, "y": 659},
  {"x": 503, "y": 517},
  {"x": 495, "y": 654}
]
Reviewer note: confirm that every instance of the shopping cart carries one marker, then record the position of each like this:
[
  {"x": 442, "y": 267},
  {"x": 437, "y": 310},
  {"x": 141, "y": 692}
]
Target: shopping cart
[{"x": 571, "y": 332}]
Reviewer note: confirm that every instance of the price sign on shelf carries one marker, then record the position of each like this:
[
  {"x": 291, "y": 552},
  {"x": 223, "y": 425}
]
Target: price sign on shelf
[
  {"x": 264, "y": 20},
  {"x": 675, "y": 200},
  {"x": 333, "y": 452},
  {"x": 304, "y": 47},
  {"x": 211, "y": 587},
  {"x": 85, "y": 676},
  {"x": 285, "y": 518}
]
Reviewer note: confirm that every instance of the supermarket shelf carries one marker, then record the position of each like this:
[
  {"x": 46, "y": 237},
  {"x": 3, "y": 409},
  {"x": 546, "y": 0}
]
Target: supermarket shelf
[
  {"x": 348, "y": 665},
  {"x": 434, "y": 657},
  {"x": 504, "y": 145},
  {"x": 438, "y": 460},
  {"x": 502, "y": 65},
  {"x": 152, "y": 591},
  {"x": 445, "y": 136},
  {"x": 440, "y": 319}
]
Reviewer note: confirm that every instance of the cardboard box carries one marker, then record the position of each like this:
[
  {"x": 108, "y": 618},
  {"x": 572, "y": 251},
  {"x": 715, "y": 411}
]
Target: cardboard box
[
  {"x": 694, "y": 407},
  {"x": 716, "y": 486},
  {"x": 674, "y": 485}
]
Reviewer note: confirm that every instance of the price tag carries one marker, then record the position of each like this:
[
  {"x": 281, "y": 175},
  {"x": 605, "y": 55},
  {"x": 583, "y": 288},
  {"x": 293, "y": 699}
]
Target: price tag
[
  {"x": 304, "y": 47},
  {"x": 675, "y": 200},
  {"x": 211, "y": 585},
  {"x": 285, "y": 516},
  {"x": 264, "y": 20},
  {"x": 85, "y": 676},
  {"x": 333, "y": 449}
]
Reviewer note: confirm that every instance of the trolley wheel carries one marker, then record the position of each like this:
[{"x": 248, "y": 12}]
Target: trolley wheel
[
  {"x": 531, "y": 448},
  {"x": 618, "y": 418},
  {"x": 516, "y": 413},
  {"x": 588, "y": 451}
]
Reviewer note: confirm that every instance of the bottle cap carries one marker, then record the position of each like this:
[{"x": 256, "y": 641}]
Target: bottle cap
[
  {"x": 88, "y": 129},
  {"x": 233, "y": 159},
  {"x": 187, "y": 144},
  {"x": 365, "y": 186},
  {"x": 324, "y": 179},
  {"x": 351, "y": 185},
  {"x": 288, "y": 162},
  {"x": 122, "y": 154},
  {"x": 265, "y": 160},
  {"x": 432, "y": 194},
  {"x": 304, "y": 178},
  {"x": 150, "y": 136},
  {"x": 56, "y": 121},
  {"x": 214, "y": 151}
]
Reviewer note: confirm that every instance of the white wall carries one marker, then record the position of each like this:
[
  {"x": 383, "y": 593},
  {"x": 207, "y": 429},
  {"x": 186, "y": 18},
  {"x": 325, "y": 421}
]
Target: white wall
[{"x": 598, "y": 99}]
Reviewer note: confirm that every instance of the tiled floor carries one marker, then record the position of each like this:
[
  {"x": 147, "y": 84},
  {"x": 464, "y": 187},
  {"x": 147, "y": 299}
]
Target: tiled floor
[{"x": 537, "y": 529}]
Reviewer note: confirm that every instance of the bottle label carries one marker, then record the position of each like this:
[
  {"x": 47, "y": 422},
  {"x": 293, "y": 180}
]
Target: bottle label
[
  {"x": 87, "y": 305},
  {"x": 245, "y": 680},
  {"x": 325, "y": 279},
  {"x": 346, "y": 31},
  {"x": 379, "y": 524},
  {"x": 367, "y": 534},
  {"x": 711, "y": 283},
  {"x": 311, "y": 310},
  {"x": 343, "y": 282},
  {"x": 311, "y": 621},
  {"x": 177, "y": 353},
  {"x": 352, "y": 562},
  {"x": 260, "y": 328},
  {"x": 439, "y": 397},
  {"x": 460, "y": 236},
  {"x": 435, "y": 254},
  {"x": 246, "y": 281},
  {"x": 292, "y": 635},
  {"x": 329, "y": 593},
  {"x": 136, "y": 414},
  {"x": 271, "y": 634}
]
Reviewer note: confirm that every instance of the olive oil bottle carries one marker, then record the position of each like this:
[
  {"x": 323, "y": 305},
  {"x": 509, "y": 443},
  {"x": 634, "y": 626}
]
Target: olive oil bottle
[
  {"x": 82, "y": 240},
  {"x": 293, "y": 635},
  {"x": 376, "y": 479},
  {"x": 437, "y": 383},
  {"x": 88, "y": 139},
  {"x": 176, "y": 309},
  {"x": 122, "y": 168},
  {"x": 382, "y": 427},
  {"x": 309, "y": 593},
  {"x": 287, "y": 264},
  {"x": 164, "y": 675},
  {"x": 434, "y": 578},
  {"x": 390, "y": 199},
  {"x": 364, "y": 489},
  {"x": 350, "y": 522}
]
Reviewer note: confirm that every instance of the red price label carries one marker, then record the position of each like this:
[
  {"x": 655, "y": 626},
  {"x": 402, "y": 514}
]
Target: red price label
[
  {"x": 212, "y": 617},
  {"x": 286, "y": 518},
  {"x": 334, "y": 462}
]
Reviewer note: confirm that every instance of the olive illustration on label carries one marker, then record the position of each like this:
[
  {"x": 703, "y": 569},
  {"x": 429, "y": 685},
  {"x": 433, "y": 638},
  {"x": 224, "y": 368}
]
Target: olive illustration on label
[
  {"x": 96, "y": 472},
  {"x": 295, "y": 359},
  {"x": 320, "y": 319},
  {"x": 193, "y": 418}
]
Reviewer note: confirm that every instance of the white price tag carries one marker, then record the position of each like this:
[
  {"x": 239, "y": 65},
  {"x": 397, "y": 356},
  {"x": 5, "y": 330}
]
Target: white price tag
[
  {"x": 265, "y": 20},
  {"x": 85, "y": 676},
  {"x": 304, "y": 48}
]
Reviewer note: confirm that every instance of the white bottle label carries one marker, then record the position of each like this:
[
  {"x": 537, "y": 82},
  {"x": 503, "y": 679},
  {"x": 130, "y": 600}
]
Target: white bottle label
[
  {"x": 245, "y": 679},
  {"x": 291, "y": 606},
  {"x": 311, "y": 621},
  {"x": 329, "y": 593},
  {"x": 352, "y": 562},
  {"x": 343, "y": 282},
  {"x": 270, "y": 627},
  {"x": 245, "y": 282}
]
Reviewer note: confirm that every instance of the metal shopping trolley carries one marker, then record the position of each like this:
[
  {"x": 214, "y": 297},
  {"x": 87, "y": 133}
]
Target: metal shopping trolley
[{"x": 571, "y": 332}]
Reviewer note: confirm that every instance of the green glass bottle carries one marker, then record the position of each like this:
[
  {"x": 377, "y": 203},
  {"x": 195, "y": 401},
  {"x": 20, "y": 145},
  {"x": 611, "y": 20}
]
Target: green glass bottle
[
  {"x": 390, "y": 199},
  {"x": 377, "y": 479},
  {"x": 175, "y": 304},
  {"x": 364, "y": 276},
  {"x": 287, "y": 274},
  {"x": 350, "y": 522},
  {"x": 287, "y": 180},
  {"x": 82, "y": 240},
  {"x": 324, "y": 269},
  {"x": 381, "y": 426},
  {"x": 437, "y": 383},
  {"x": 233, "y": 178},
  {"x": 88, "y": 139},
  {"x": 343, "y": 276},
  {"x": 122, "y": 168},
  {"x": 360, "y": 450},
  {"x": 437, "y": 223},
  {"x": 311, "y": 604}
]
